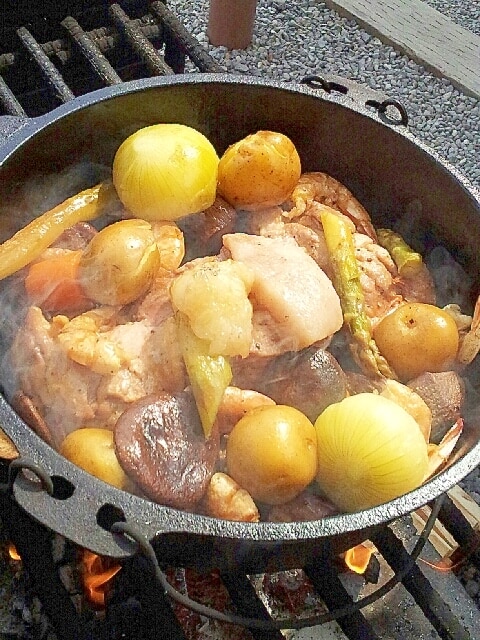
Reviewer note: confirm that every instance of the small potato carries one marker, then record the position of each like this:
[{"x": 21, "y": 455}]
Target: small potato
[
  {"x": 93, "y": 450},
  {"x": 272, "y": 453},
  {"x": 416, "y": 338},
  {"x": 120, "y": 262},
  {"x": 259, "y": 171}
]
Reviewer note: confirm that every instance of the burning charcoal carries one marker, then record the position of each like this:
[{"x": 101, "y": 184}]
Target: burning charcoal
[
  {"x": 8, "y": 451},
  {"x": 160, "y": 444},
  {"x": 372, "y": 572}
]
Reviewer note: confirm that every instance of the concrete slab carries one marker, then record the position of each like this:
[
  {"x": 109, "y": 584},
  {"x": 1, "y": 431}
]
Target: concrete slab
[{"x": 423, "y": 33}]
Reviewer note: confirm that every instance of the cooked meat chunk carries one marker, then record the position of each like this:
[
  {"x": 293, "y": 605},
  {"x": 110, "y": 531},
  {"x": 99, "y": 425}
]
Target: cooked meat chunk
[
  {"x": 290, "y": 285},
  {"x": 86, "y": 371}
]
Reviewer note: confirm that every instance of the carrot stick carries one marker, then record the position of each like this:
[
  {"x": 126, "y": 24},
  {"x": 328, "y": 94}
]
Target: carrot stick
[{"x": 53, "y": 283}]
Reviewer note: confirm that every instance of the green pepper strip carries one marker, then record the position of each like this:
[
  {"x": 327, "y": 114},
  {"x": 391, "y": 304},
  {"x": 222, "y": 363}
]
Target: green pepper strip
[
  {"x": 346, "y": 280},
  {"x": 32, "y": 240},
  {"x": 209, "y": 375},
  {"x": 408, "y": 261}
]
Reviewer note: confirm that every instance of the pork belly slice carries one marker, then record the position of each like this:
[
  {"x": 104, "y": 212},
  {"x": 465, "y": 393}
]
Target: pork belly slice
[{"x": 290, "y": 285}]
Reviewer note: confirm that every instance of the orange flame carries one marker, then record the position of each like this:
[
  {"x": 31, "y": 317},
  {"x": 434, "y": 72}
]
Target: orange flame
[
  {"x": 12, "y": 552},
  {"x": 97, "y": 572},
  {"x": 357, "y": 558}
]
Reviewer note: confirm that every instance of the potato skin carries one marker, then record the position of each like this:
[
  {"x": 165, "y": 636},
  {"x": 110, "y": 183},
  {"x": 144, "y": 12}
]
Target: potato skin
[
  {"x": 272, "y": 453},
  {"x": 120, "y": 262},
  {"x": 92, "y": 449},
  {"x": 259, "y": 171},
  {"x": 416, "y": 338}
]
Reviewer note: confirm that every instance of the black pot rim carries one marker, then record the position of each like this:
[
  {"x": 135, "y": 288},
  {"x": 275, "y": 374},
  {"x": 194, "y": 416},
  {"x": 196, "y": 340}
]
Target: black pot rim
[{"x": 157, "y": 518}]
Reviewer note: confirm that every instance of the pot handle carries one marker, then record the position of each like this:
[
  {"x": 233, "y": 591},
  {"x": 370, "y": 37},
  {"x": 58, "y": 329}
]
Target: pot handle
[
  {"x": 143, "y": 546},
  {"x": 71, "y": 506},
  {"x": 371, "y": 98}
]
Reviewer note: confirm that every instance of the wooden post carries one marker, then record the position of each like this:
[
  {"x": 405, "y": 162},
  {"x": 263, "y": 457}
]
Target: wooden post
[{"x": 231, "y": 22}]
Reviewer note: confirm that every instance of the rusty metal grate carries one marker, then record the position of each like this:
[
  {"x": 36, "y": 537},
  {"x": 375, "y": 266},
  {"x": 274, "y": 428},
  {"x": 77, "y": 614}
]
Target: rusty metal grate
[{"x": 103, "y": 47}]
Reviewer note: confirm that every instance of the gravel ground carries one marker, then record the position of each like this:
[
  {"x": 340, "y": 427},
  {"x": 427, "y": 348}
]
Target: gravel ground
[
  {"x": 466, "y": 14},
  {"x": 295, "y": 39}
]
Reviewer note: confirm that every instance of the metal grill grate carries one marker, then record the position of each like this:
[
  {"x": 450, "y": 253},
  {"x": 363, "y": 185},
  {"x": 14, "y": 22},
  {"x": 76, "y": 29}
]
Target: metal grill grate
[
  {"x": 101, "y": 48},
  {"x": 427, "y": 604}
]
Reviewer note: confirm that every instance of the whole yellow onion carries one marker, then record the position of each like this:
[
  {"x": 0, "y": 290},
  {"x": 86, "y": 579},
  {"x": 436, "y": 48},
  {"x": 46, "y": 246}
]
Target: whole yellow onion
[
  {"x": 370, "y": 451},
  {"x": 165, "y": 172}
]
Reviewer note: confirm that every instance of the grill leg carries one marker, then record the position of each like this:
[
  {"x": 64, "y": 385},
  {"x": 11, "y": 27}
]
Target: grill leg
[{"x": 153, "y": 618}]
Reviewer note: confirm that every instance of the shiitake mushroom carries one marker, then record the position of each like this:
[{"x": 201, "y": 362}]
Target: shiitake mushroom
[
  {"x": 309, "y": 380},
  {"x": 161, "y": 446}
]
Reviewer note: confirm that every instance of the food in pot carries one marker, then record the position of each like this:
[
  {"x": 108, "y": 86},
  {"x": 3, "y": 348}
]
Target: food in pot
[
  {"x": 54, "y": 284},
  {"x": 444, "y": 395},
  {"x": 346, "y": 278},
  {"x": 309, "y": 379},
  {"x": 209, "y": 376},
  {"x": 120, "y": 263},
  {"x": 418, "y": 337},
  {"x": 93, "y": 449},
  {"x": 30, "y": 241},
  {"x": 272, "y": 453},
  {"x": 226, "y": 499},
  {"x": 161, "y": 446},
  {"x": 204, "y": 349}
]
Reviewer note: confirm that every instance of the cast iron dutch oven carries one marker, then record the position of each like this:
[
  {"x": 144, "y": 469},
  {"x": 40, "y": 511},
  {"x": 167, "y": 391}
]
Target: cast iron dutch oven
[{"x": 352, "y": 137}]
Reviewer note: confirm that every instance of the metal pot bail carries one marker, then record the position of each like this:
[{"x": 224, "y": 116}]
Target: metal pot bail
[
  {"x": 19, "y": 464},
  {"x": 329, "y": 86},
  {"x": 382, "y": 107},
  {"x": 361, "y": 94},
  {"x": 144, "y": 546}
]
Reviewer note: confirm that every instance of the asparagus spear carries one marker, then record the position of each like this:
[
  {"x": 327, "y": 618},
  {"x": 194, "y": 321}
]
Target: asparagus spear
[
  {"x": 408, "y": 261},
  {"x": 346, "y": 280}
]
